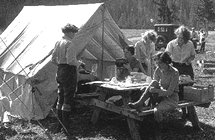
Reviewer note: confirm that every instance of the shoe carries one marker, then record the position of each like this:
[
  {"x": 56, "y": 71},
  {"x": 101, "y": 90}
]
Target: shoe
[
  {"x": 7, "y": 125},
  {"x": 136, "y": 105}
]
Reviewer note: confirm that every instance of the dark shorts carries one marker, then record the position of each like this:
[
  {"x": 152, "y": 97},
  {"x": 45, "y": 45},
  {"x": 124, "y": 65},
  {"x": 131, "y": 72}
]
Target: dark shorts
[
  {"x": 184, "y": 69},
  {"x": 67, "y": 82}
]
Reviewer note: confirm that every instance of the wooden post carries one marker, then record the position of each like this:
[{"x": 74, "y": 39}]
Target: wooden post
[
  {"x": 134, "y": 131},
  {"x": 97, "y": 111},
  {"x": 103, "y": 30},
  {"x": 194, "y": 118}
]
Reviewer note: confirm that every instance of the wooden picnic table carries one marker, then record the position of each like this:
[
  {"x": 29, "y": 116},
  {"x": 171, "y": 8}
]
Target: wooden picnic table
[{"x": 125, "y": 91}]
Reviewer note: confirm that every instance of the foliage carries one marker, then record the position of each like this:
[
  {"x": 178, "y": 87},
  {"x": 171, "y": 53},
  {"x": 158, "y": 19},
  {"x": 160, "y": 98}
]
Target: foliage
[
  {"x": 128, "y": 14},
  {"x": 205, "y": 11},
  {"x": 175, "y": 13},
  {"x": 166, "y": 14},
  {"x": 111, "y": 126}
]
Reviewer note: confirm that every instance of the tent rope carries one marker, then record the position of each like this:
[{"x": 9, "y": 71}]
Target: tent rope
[{"x": 45, "y": 130}]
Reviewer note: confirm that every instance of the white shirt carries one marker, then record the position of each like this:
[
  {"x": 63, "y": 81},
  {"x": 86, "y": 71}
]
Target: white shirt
[
  {"x": 144, "y": 53},
  {"x": 64, "y": 52},
  {"x": 194, "y": 34},
  {"x": 179, "y": 54},
  {"x": 201, "y": 36}
]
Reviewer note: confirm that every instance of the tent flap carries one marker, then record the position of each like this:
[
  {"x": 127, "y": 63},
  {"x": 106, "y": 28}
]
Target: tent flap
[{"x": 28, "y": 76}]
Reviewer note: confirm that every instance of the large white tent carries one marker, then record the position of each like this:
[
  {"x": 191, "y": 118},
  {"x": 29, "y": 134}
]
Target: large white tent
[{"x": 27, "y": 76}]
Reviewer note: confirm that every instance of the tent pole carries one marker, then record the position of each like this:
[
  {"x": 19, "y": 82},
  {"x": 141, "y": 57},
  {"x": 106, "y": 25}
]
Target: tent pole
[{"x": 103, "y": 11}]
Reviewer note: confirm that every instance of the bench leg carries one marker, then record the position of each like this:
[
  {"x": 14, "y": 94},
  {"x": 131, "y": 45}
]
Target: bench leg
[
  {"x": 194, "y": 118},
  {"x": 134, "y": 131},
  {"x": 97, "y": 110}
]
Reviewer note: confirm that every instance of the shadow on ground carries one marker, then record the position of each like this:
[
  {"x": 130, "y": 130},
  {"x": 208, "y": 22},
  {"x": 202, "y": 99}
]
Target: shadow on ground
[{"x": 114, "y": 126}]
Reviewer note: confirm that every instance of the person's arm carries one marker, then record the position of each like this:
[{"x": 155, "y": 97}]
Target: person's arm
[
  {"x": 137, "y": 50},
  {"x": 157, "y": 74},
  {"x": 128, "y": 67},
  {"x": 151, "y": 60},
  {"x": 138, "y": 57},
  {"x": 189, "y": 59},
  {"x": 54, "y": 55},
  {"x": 141, "y": 67},
  {"x": 174, "y": 83},
  {"x": 137, "y": 66},
  {"x": 156, "y": 77},
  {"x": 169, "y": 48},
  {"x": 153, "y": 49}
]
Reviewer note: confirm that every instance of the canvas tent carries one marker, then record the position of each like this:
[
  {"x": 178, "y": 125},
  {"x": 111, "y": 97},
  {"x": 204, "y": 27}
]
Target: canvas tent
[{"x": 27, "y": 77}]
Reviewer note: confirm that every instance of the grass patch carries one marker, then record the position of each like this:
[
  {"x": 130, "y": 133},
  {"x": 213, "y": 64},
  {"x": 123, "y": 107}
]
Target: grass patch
[{"x": 111, "y": 126}]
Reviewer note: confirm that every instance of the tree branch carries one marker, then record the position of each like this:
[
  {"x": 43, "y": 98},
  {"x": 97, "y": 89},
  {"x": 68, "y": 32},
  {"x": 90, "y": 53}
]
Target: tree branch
[{"x": 155, "y": 2}]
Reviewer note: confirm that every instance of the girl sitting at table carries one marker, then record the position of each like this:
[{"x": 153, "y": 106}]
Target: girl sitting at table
[{"x": 163, "y": 88}]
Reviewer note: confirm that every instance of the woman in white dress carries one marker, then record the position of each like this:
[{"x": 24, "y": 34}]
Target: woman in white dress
[{"x": 145, "y": 49}]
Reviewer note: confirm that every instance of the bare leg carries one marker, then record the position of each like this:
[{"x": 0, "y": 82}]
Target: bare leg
[{"x": 146, "y": 95}]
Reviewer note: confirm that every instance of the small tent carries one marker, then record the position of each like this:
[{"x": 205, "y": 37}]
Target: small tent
[{"x": 27, "y": 77}]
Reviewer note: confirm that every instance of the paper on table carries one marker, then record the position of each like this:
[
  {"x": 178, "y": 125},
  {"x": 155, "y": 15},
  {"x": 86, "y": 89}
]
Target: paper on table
[
  {"x": 97, "y": 82},
  {"x": 125, "y": 85},
  {"x": 115, "y": 82}
]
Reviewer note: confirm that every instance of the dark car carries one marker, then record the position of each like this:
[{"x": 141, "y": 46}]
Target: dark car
[{"x": 165, "y": 34}]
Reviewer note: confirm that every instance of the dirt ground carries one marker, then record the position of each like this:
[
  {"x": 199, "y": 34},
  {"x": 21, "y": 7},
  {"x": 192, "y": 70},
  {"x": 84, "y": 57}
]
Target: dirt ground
[{"x": 111, "y": 126}]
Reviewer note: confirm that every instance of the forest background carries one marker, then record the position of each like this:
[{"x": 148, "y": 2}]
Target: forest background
[
  {"x": 131, "y": 14},
  {"x": 128, "y": 14}
]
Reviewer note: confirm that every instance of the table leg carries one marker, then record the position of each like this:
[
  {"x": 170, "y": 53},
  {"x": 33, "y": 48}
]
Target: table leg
[
  {"x": 193, "y": 117},
  {"x": 97, "y": 110},
  {"x": 134, "y": 131}
]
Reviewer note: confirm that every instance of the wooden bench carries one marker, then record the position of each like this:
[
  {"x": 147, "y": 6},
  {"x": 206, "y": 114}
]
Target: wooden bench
[
  {"x": 181, "y": 104},
  {"x": 131, "y": 115},
  {"x": 84, "y": 98},
  {"x": 138, "y": 115}
]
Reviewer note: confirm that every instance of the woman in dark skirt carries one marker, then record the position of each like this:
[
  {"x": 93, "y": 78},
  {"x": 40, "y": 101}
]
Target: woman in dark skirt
[{"x": 182, "y": 52}]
